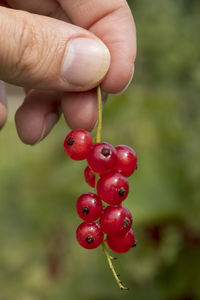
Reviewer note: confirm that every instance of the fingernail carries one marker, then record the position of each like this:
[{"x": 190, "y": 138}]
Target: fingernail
[
  {"x": 50, "y": 120},
  {"x": 86, "y": 61}
]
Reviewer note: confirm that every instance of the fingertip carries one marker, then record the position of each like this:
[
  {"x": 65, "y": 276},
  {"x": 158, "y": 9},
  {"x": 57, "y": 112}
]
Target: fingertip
[
  {"x": 29, "y": 126},
  {"x": 122, "y": 44},
  {"x": 37, "y": 116},
  {"x": 121, "y": 71},
  {"x": 80, "y": 109},
  {"x": 122, "y": 90},
  {"x": 3, "y": 115},
  {"x": 49, "y": 121},
  {"x": 32, "y": 135},
  {"x": 3, "y": 105}
]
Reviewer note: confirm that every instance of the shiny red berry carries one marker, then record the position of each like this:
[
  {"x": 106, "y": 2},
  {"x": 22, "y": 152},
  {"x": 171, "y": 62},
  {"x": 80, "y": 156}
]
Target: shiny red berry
[
  {"x": 123, "y": 243},
  {"x": 116, "y": 220},
  {"x": 89, "y": 176},
  {"x": 102, "y": 158},
  {"x": 89, "y": 207},
  {"x": 77, "y": 144},
  {"x": 89, "y": 235},
  {"x": 113, "y": 188},
  {"x": 126, "y": 160}
]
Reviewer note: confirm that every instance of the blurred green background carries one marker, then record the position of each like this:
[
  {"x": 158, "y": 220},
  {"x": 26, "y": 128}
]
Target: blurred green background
[{"x": 159, "y": 116}]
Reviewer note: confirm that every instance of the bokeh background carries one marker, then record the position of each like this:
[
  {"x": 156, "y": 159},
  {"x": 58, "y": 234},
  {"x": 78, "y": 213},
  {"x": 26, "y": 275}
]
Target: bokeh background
[{"x": 159, "y": 116}]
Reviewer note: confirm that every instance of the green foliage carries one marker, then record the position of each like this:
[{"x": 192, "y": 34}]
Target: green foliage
[{"x": 159, "y": 117}]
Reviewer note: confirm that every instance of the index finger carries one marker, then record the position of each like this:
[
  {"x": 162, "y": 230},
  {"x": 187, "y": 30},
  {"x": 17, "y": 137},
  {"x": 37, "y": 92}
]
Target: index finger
[{"x": 113, "y": 23}]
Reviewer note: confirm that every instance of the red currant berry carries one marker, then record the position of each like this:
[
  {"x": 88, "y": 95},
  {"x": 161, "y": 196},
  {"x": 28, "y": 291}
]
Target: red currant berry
[
  {"x": 89, "y": 176},
  {"x": 116, "y": 220},
  {"x": 77, "y": 144},
  {"x": 126, "y": 160},
  {"x": 89, "y": 207},
  {"x": 123, "y": 243},
  {"x": 102, "y": 158},
  {"x": 113, "y": 188},
  {"x": 89, "y": 235}
]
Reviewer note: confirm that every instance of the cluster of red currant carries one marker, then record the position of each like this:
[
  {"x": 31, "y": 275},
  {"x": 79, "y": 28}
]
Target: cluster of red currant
[{"x": 113, "y": 165}]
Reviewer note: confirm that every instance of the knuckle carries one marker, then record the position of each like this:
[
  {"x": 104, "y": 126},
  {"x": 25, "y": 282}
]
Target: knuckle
[{"x": 30, "y": 45}]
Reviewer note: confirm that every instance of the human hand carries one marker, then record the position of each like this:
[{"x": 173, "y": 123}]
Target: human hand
[{"x": 59, "y": 51}]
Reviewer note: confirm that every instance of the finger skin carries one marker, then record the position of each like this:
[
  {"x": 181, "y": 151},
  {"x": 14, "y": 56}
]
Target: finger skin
[
  {"x": 120, "y": 39},
  {"x": 80, "y": 109},
  {"x": 50, "y": 8},
  {"x": 33, "y": 49},
  {"x": 122, "y": 46},
  {"x": 4, "y": 3},
  {"x": 3, "y": 105},
  {"x": 113, "y": 23},
  {"x": 31, "y": 118},
  {"x": 44, "y": 7}
]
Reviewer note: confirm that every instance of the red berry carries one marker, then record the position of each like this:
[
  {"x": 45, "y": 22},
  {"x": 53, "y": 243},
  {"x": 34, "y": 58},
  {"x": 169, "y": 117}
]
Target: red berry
[
  {"x": 113, "y": 188},
  {"x": 126, "y": 160},
  {"x": 89, "y": 207},
  {"x": 89, "y": 176},
  {"x": 102, "y": 158},
  {"x": 77, "y": 144},
  {"x": 116, "y": 220},
  {"x": 121, "y": 244},
  {"x": 89, "y": 235}
]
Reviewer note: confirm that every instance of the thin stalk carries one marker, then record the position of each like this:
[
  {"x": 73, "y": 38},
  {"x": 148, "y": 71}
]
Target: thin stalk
[
  {"x": 98, "y": 140},
  {"x": 116, "y": 276},
  {"x": 99, "y": 126}
]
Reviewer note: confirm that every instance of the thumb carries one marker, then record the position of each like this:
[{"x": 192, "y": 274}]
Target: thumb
[{"x": 45, "y": 53}]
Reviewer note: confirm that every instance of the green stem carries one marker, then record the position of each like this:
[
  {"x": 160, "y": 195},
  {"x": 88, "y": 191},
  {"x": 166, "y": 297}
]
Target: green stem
[
  {"x": 98, "y": 140},
  {"x": 110, "y": 258},
  {"x": 99, "y": 126}
]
